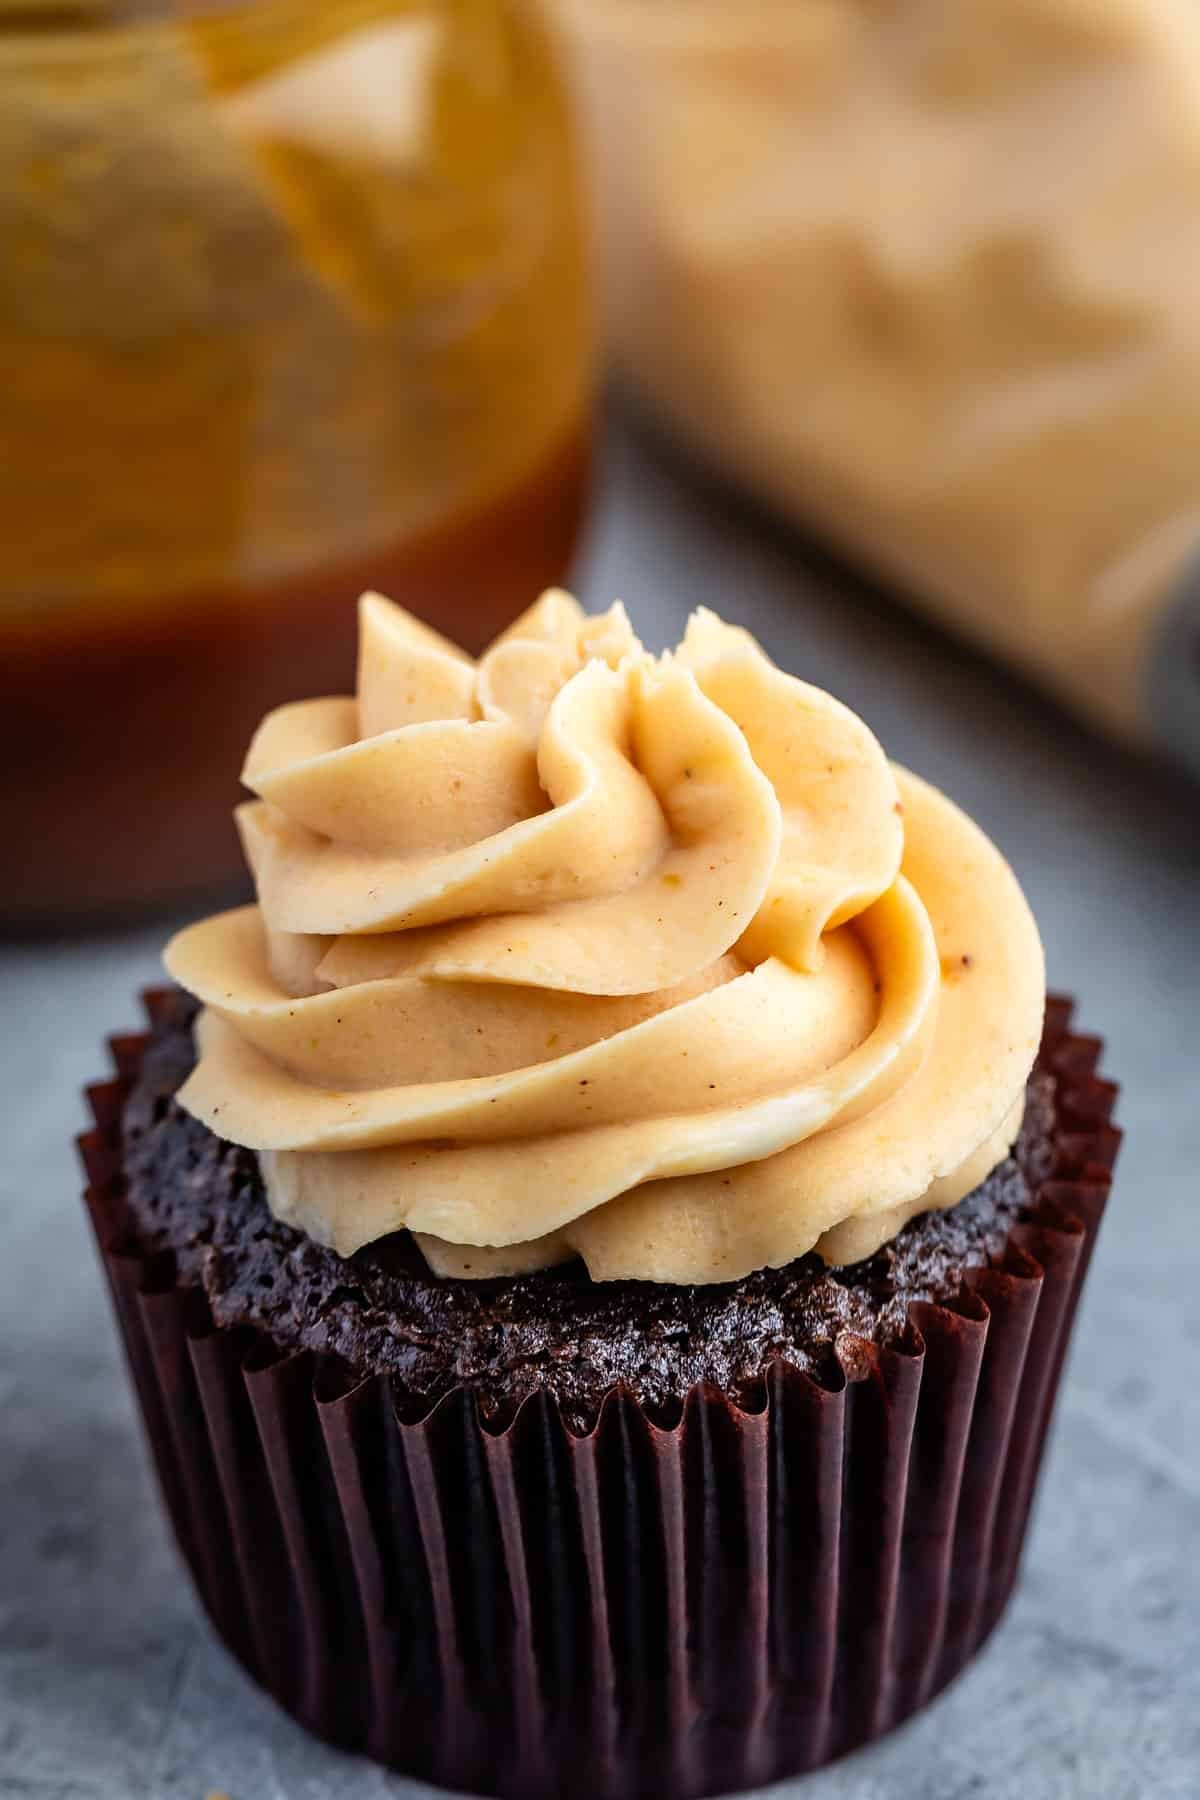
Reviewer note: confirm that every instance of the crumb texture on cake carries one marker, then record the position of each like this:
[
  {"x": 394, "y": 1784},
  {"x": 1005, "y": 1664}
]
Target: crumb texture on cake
[{"x": 200, "y": 1198}]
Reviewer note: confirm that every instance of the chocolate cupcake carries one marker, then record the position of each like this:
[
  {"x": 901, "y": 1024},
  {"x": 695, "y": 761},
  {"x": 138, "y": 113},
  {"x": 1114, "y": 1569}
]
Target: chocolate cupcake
[{"x": 598, "y": 1265}]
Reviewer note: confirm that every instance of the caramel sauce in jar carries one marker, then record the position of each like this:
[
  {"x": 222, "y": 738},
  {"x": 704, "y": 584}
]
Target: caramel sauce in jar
[{"x": 294, "y": 303}]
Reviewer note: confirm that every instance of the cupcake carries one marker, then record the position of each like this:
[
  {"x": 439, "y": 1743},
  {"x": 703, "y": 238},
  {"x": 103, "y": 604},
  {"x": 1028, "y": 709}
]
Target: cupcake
[{"x": 596, "y": 1243}]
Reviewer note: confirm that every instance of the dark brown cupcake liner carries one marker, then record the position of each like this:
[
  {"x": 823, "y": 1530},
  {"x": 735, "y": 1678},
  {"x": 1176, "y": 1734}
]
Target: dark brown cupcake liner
[{"x": 656, "y": 1608}]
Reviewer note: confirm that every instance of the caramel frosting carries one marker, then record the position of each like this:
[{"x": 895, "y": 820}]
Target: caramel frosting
[{"x": 576, "y": 950}]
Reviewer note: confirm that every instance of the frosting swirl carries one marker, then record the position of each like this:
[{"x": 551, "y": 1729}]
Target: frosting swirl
[{"x": 578, "y": 950}]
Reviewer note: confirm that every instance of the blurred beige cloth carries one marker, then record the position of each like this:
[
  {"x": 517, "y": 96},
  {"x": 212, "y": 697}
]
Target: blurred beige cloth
[{"x": 927, "y": 275}]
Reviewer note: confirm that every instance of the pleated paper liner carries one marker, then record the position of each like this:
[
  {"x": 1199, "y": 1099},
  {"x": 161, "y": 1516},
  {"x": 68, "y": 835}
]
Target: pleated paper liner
[{"x": 657, "y": 1609}]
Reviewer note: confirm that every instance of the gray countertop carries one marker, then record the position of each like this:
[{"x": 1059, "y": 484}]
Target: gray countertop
[{"x": 112, "y": 1687}]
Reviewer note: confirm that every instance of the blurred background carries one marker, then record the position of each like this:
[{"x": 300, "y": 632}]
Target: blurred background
[
  {"x": 872, "y": 324},
  {"x": 294, "y": 302},
  {"x": 300, "y": 296}
]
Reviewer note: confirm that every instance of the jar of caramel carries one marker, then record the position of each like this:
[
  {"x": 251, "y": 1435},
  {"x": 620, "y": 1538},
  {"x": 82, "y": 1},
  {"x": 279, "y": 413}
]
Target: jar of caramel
[{"x": 292, "y": 303}]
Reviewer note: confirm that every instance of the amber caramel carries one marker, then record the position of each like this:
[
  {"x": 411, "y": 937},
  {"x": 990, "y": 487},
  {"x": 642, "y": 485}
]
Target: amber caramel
[{"x": 122, "y": 740}]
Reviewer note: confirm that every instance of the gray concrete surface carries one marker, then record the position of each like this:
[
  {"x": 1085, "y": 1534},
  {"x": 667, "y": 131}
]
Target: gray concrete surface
[{"x": 111, "y": 1687}]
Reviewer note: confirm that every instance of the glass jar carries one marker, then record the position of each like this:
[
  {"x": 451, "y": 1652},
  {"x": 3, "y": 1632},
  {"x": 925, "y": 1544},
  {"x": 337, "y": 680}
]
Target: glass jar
[{"x": 292, "y": 303}]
